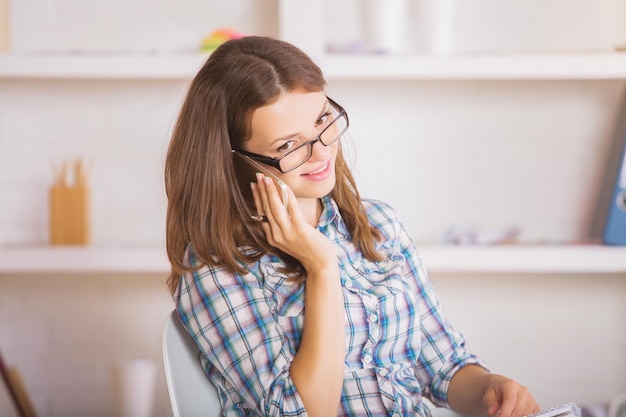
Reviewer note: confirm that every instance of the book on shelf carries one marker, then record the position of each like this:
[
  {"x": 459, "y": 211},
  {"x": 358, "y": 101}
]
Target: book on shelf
[
  {"x": 615, "y": 225},
  {"x": 607, "y": 216},
  {"x": 16, "y": 389}
]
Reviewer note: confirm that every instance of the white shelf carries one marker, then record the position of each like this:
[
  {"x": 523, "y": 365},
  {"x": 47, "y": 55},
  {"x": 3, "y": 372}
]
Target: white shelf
[
  {"x": 113, "y": 66},
  {"x": 555, "y": 259},
  {"x": 437, "y": 259},
  {"x": 568, "y": 66},
  {"x": 88, "y": 259},
  {"x": 564, "y": 66}
]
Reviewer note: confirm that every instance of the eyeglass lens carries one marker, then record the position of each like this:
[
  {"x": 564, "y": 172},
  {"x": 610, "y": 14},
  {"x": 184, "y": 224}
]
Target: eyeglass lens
[{"x": 329, "y": 135}]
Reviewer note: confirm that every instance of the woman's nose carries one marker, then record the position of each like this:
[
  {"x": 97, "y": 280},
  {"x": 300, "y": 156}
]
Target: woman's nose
[{"x": 320, "y": 151}]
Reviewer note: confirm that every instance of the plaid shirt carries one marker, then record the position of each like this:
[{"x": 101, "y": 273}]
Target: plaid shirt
[{"x": 399, "y": 344}]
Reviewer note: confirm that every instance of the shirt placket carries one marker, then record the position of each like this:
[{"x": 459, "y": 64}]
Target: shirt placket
[
  {"x": 370, "y": 303},
  {"x": 373, "y": 311}
]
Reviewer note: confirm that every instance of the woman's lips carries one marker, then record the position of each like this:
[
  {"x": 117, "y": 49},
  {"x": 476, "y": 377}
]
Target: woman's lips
[{"x": 321, "y": 173}]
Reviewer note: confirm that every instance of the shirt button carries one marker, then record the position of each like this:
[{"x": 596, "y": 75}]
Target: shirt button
[
  {"x": 367, "y": 358},
  {"x": 396, "y": 414},
  {"x": 373, "y": 318},
  {"x": 348, "y": 284}
]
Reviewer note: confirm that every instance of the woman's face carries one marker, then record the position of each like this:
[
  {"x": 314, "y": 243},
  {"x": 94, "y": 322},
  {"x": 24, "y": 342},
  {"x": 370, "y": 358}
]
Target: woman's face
[{"x": 295, "y": 118}]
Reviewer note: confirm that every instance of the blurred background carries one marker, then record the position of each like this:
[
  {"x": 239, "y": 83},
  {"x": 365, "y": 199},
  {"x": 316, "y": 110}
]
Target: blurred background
[{"x": 492, "y": 126}]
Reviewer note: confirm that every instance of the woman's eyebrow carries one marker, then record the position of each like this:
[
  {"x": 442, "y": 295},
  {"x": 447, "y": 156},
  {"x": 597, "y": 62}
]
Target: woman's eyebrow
[{"x": 291, "y": 135}]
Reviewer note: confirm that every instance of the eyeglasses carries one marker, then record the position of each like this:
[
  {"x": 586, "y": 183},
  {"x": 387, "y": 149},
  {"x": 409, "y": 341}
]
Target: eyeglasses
[{"x": 293, "y": 158}]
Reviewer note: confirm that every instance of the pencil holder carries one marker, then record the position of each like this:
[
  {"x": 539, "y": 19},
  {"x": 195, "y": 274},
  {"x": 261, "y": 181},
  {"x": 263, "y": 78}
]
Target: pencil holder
[
  {"x": 4, "y": 26},
  {"x": 69, "y": 215}
]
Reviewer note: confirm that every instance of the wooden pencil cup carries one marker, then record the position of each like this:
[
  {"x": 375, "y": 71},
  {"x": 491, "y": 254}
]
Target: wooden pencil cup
[
  {"x": 4, "y": 26},
  {"x": 69, "y": 215}
]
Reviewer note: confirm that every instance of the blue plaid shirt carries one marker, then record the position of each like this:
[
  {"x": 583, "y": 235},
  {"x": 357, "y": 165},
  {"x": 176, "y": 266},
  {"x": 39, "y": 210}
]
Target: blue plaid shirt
[{"x": 399, "y": 344}]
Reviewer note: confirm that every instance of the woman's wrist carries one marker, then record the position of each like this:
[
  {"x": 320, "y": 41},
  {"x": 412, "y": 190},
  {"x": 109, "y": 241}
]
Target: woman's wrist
[{"x": 321, "y": 270}]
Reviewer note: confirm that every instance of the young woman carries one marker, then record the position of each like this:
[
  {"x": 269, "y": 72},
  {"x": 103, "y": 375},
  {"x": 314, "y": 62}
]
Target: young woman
[{"x": 320, "y": 306}]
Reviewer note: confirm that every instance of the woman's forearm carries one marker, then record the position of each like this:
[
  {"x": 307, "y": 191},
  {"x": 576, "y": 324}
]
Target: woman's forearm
[
  {"x": 318, "y": 367},
  {"x": 475, "y": 391},
  {"x": 467, "y": 389}
]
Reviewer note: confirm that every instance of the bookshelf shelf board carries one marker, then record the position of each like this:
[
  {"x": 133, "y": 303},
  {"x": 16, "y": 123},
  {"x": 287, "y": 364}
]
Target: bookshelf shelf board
[
  {"x": 87, "y": 259},
  {"x": 437, "y": 259},
  {"x": 569, "y": 259},
  {"x": 547, "y": 66},
  {"x": 557, "y": 66},
  {"x": 101, "y": 67}
]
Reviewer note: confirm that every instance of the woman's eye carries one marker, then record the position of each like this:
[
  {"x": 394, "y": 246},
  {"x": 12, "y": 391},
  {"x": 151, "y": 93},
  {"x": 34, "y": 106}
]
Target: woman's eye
[
  {"x": 286, "y": 146},
  {"x": 323, "y": 120}
]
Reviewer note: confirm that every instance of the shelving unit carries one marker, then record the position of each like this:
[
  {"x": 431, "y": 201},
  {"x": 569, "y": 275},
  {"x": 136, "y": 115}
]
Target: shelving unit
[
  {"x": 302, "y": 23},
  {"x": 440, "y": 259},
  {"x": 543, "y": 119},
  {"x": 454, "y": 259}
]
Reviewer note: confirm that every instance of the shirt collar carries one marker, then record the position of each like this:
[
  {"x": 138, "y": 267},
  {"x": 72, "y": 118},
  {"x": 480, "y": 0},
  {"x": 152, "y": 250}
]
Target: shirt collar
[{"x": 331, "y": 216}]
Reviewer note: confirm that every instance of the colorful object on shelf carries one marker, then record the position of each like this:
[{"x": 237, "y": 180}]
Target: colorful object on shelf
[
  {"x": 473, "y": 236},
  {"x": 218, "y": 37}
]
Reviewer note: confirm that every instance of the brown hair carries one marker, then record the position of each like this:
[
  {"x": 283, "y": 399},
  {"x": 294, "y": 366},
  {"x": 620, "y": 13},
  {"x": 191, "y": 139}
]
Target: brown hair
[{"x": 206, "y": 208}]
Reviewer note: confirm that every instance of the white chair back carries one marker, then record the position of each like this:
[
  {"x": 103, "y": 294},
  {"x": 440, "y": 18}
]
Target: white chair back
[{"x": 191, "y": 392}]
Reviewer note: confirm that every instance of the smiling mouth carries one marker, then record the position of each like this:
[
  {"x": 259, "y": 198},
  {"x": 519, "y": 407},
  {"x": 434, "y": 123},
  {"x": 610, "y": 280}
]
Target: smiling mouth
[{"x": 320, "y": 170}]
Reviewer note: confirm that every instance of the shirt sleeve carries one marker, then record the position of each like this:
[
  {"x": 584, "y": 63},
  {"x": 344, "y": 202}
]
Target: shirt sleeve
[
  {"x": 238, "y": 331},
  {"x": 442, "y": 351}
]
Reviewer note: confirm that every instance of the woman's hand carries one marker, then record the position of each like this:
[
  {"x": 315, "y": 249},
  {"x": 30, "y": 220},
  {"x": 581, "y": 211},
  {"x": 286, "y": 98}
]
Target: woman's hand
[
  {"x": 508, "y": 398},
  {"x": 287, "y": 230},
  {"x": 473, "y": 390}
]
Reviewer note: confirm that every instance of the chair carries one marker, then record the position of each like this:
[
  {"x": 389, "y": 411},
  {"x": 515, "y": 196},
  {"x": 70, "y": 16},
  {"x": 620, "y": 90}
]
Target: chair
[{"x": 190, "y": 390}]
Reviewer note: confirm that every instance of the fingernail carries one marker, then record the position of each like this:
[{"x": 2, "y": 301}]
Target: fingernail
[
  {"x": 259, "y": 176},
  {"x": 268, "y": 180}
]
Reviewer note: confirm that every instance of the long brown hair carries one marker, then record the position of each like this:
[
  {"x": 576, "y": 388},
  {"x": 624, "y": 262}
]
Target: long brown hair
[{"x": 206, "y": 208}]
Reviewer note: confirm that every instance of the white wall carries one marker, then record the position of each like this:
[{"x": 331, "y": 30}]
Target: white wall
[
  {"x": 138, "y": 25},
  {"x": 121, "y": 128},
  {"x": 534, "y": 158},
  {"x": 66, "y": 334},
  {"x": 489, "y": 155},
  {"x": 480, "y": 26},
  {"x": 485, "y": 154},
  {"x": 560, "y": 335}
]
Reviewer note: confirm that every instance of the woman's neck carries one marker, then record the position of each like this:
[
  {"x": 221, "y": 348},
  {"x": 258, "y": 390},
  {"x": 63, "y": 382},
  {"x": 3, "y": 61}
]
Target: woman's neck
[{"x": 311, "y": 209}]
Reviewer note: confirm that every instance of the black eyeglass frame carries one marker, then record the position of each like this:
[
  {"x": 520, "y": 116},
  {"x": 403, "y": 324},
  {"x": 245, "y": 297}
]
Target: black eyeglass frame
[{"x": 275, "y": 162}]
